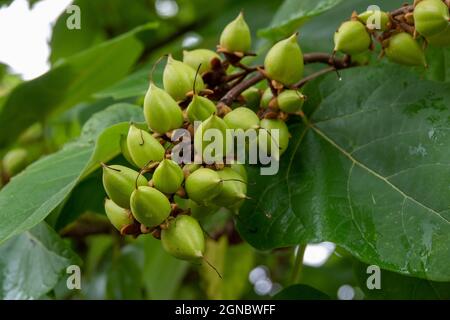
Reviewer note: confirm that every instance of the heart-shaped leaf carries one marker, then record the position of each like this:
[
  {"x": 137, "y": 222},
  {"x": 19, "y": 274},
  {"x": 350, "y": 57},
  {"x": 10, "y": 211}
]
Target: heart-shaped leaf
[
  {"x": 32, "y": 263},
  {"x": 370, "y": 172}
]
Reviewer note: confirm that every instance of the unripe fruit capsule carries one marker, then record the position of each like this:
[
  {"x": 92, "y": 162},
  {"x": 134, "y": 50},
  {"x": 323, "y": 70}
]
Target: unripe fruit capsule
[
  {"x": 442, "y": 39},
  {"x": 178, "y": 79},
  {"x": 119, "y": 183},
  {"x": 431, "y": 17},
  {"x": 199, "y": 211},
  {"x": 149, "y": 206},
  {"x": 266, "y": 136},
  {"x": 212, "y": 127},
  {"x": 198, "y": 57},
  {"x": 190, "y": 167},
  {"x": 143, "y": 147},
  {"x": 234, "y": 189},
  {"x": 352, "y": 38},
  {"x": 184, "y": 238},
  {"x": 125, "y": 152},
  {"x": 168, "y": 176},
  {"x": 118, "y": 216},
  {"x": 236, "y": 36},
  {"x": 240, "y": 169},
  {"x": 200, "y": 108},
  {"x": 242, "y": 118},
  {"x": 252, "y": 98},
  {"x": 403, "y": 49},
  {"x": 203, "y": 185},
  {"x": 284, "y": 61},
  {"x": 290, "y": 101},
  {"x": 371, "y": 18},
  {"x": 161, "y": 112},
  {"x": 266, "y": 98}
]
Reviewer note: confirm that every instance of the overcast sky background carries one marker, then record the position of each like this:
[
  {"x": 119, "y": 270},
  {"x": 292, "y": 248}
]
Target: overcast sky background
[{"x": 24, "y": 35}]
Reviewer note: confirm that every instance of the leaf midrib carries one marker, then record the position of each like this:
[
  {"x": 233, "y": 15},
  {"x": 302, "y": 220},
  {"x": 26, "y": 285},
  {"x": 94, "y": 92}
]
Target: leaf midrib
[{"x": 372, "y": 172}]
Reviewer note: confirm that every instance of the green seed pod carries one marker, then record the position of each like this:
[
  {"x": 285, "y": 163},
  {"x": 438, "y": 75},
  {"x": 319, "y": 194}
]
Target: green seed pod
[
  {"x": 234, "y": 190},
  {"x": 361, "y": 59},
  {"x": 119, "y": 183},
  {"x": 200, "y": 211},
  {"x": 190, "y": 167},
  {"x": 200, "y": 109},
  {"x": 15, "y": 161},
  {"x": 119, "y": 217},
  {"x": 236, "y": 36},
  {"x": 242, "y": 118},
  {"x": 251, "y": 97},
  {"x": 352, "y": 38},
  {"x": 178, "y": 79},
  {"x": 441, "y": 39},
  {"x": 149, "y": 206},
  {"x": 240, "y": 169},
  {"x": 431, "y": 17},
  {"x": 403, "y": 49},
  {"x": 369, "y": 17},
  {"x": 265, "y": 135},
  {"x": 168, "y": 176},
  {"x": 284, "y": 61},
  {"x": 143, "y": 147},
  {"x": 290, "y": 101},
  {"x": 266, "y": 98},
  {"x": 184, "y": 238},
  {"x": 203, "y": 185},
  {"x": 124, "y": 150},
  {"x": 161, "y": 112},
  {"x": 202, "y": 144},
  {"x": 198, "y": 57}
]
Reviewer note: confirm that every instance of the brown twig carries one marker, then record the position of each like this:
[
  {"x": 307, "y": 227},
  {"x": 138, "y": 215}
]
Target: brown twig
[
  {"x": 308, "y": 58},
  {"x": 322, "y": 57},
  {"x": 312, "y": 76},
  {"x": 234, "y": 92},
  {"x": 403, "y": 10}
]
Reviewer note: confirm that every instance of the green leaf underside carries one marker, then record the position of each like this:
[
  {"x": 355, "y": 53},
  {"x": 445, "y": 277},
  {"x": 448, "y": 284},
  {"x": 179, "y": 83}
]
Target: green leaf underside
[
  {"x": 370, "y": 172},
  {"x": 32, "y": 263},
  {"x": 33, "y": 194},
  {"x": 69, "y": 82}
]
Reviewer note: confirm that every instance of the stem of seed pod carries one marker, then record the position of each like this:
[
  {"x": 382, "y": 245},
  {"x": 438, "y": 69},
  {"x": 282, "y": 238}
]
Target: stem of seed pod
[
  {"x": 214, "y": 268},
  {"x": 195, "y": 78},
  {"x": 317, "y": 74},
  {"x": 236, "y": 180},
  {"x": 108, "y": 167}
]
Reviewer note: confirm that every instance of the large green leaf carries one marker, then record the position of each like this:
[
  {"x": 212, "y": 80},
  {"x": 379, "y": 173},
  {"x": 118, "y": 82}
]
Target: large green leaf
[
  {"x": 32, "y": 263},
  {"x": 69, "y": 82},
  {"x": 370, "y": 172},
  {"x": 124, "y": 276},
  {"x": 33, "y": 194},
  {"x": 292, "y": 14},
  {"x": 396, "y": 286}
]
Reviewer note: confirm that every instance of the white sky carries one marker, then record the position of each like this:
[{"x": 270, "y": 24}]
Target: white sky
[{"x": 24, "y": 35}]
